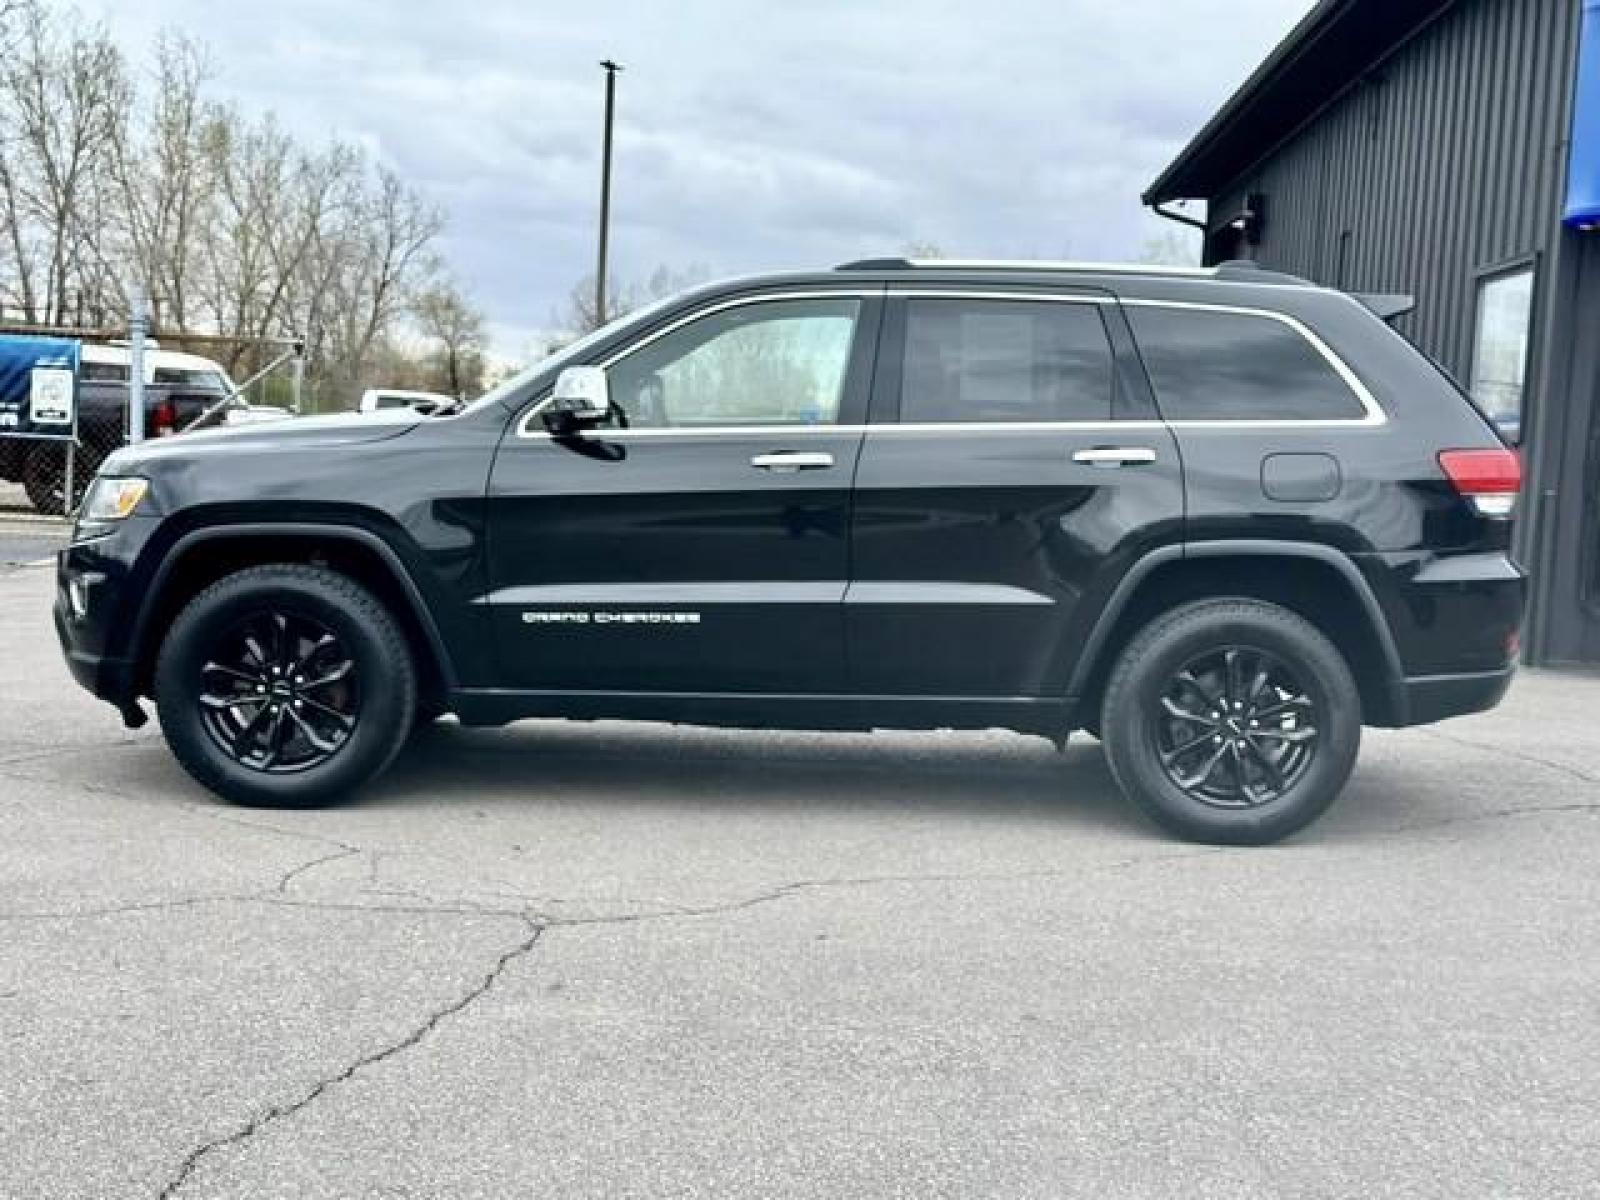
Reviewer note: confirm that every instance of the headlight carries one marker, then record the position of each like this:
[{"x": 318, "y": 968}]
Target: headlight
[{"x": 111, "y": 498}]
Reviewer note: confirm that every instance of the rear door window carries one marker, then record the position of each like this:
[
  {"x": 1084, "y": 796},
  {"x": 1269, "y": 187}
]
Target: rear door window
[
  {"x": 1212, "y": 365},
  {"x": 981, "y": 361}
]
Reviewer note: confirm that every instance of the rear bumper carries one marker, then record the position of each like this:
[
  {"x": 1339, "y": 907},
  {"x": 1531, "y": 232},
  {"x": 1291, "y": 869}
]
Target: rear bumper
[
  {"x": 1429, "y": 698},
  {"x": 1455, "y": 622}
]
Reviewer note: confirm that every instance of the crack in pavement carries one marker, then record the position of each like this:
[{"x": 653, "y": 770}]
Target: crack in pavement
[
  {"x": 1522, "y": 756},
  {"x": 548, "y": 920},
  {"x": 291, "y": 875},
  {"x": 278, "y": 894},
  {"x": 1500, "y": 814},
  {"x": 278, "y": 898},
  {"x": 268, "y": 898},
  {"x": 278, "y": 1112},
  {"x": 118, "y": 910}
]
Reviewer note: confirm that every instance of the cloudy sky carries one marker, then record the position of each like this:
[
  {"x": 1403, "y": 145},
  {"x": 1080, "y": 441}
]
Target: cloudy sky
[{"x": 752, "y": 134}]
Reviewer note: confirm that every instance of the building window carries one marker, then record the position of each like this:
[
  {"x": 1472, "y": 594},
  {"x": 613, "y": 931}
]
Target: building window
[{"x": 1500, "y": 348}]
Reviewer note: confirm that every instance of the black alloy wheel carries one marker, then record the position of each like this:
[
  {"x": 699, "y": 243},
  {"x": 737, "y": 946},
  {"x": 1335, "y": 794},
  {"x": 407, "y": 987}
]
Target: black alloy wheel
[
  {"x": 1237, "y": 728},
  {"x": 285, "y": 685},
  {"x": 1233, "y": 721},
  {"x": 280, "y": 693}
]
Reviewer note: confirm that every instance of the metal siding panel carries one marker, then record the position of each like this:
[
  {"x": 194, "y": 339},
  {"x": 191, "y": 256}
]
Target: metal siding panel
[{"x": 1445, "y": 168}]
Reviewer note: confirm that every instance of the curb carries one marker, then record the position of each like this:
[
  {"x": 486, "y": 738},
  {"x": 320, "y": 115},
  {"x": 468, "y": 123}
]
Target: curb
[{"x": 34, "y": 520}]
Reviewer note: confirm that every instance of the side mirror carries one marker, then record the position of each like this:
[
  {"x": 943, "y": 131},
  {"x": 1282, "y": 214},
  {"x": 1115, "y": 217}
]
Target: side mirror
[{"x": 582, "y": 397}]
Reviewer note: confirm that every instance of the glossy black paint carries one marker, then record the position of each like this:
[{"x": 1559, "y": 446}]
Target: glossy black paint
[
  {"x": 977, "y": 550},
  {"x": 929, "y": 576},
  {"x": 665, "y": 560}
]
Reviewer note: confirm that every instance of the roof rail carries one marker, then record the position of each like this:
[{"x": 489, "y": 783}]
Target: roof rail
[
  {"x": 876, "y": 264},
  {"x": 1248, "y": 270},
  {"x": 1240, "y": 270}
]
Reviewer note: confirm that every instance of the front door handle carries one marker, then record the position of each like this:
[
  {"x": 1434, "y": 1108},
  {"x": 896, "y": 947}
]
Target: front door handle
[
  {"x": 792, "y": 460},
  {"x": 1115, "y": 456}
]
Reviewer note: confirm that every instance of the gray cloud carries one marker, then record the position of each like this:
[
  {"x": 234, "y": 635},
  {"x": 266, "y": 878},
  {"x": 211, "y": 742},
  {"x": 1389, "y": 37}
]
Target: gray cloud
[{"x": 752, "y": 135}]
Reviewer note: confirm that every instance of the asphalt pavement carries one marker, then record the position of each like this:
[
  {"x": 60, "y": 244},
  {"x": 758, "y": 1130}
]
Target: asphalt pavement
[
  {"x": 29, "y": 539},
  {"x": 637, "y": 960}
]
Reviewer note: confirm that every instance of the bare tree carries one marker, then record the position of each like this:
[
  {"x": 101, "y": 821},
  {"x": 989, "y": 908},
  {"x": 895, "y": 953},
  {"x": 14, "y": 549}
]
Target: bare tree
[
  {"x": 376, "y": 260},
  {"x": 230, "y": 224},
  {"x": 61, "y": 93},
  {"x": 445, "y": 315},
  {"x": 11, "y": 17},
  {"x": 578, "y": 317},
  {"x": 163, "y": 163},
  {"x": 1172, "y": 248}
]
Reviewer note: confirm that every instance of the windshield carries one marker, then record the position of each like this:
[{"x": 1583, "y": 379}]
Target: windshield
[{"x": 510, "y": 386}]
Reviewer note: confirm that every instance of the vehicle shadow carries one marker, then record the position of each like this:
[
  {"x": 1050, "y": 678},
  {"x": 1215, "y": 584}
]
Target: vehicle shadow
[
  {"x": 624, "y": 764},
  {"x": 988, "y": 773}
]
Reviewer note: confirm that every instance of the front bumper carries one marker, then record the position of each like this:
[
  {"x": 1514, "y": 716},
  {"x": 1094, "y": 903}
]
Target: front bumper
[
  {"x": 98, "y": 585},
  {"x": 110, "y": 679}
]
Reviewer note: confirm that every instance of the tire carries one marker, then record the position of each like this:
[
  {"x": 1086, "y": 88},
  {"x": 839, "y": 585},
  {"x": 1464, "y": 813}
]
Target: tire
[
  {"x": 44, "y": 476},
  {"x": 1286, "y": 741},
  {"x": 426, "y": 715},
  {"x": 330, "y": 718}
]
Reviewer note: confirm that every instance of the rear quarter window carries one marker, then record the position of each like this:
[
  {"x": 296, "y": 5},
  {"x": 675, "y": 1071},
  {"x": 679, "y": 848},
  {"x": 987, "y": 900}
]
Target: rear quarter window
[{"x": 1210, "y": 365}]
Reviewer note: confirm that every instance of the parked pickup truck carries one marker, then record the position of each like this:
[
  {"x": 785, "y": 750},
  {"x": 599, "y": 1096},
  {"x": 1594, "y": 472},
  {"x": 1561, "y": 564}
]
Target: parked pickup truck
[{"x": 102, "y": 426}]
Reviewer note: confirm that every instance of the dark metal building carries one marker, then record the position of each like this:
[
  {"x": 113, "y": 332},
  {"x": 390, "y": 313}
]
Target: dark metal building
[{"x": 1449, "y": 149}]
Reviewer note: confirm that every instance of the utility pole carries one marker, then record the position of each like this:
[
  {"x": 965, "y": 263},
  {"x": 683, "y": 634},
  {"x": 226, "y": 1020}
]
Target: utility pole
[
  {"x": 611, "y": 70},
  {"x": 138, "y": 330}
]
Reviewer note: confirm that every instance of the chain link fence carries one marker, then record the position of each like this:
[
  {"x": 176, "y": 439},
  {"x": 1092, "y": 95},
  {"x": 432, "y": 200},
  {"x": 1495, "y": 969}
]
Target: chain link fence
[{"x": 190, "y": 383}]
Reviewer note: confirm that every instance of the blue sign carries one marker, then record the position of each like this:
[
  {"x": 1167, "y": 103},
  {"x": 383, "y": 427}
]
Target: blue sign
[
  {"x": 38, "y": 384},
  {"x": 1583, "y": 174}
]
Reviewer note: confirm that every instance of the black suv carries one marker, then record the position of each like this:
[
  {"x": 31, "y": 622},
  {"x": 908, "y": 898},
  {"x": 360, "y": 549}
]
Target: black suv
[{"x": 1220, "y": 519}]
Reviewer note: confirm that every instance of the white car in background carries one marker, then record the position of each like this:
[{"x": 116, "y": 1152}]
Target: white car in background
[
  {"x": 242, "y": 412},
  {"x": 108, "y": 363},
  {"x": 385, "y": 399}
]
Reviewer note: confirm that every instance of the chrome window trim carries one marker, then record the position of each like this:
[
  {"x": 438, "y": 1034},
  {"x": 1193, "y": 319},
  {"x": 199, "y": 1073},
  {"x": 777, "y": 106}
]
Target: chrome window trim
[
  {"x": 973, "y": 427},
  {"x": 1374, "y": 414},
  {"x": 1018, "y": 295},
  {"x": 828, "y": 293}
]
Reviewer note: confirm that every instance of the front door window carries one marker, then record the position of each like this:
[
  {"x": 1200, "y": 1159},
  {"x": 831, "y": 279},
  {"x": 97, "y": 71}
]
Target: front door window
[{"x": 779, "y": 362}]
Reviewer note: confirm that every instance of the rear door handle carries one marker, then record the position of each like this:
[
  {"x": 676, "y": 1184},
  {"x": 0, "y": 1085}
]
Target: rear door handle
[
  {"x": 792, "y": 460},
  {"x": 1115, "y": 456}
]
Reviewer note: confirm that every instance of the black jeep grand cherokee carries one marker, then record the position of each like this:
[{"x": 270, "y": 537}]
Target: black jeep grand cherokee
[{"x": 1220, "y": 519}]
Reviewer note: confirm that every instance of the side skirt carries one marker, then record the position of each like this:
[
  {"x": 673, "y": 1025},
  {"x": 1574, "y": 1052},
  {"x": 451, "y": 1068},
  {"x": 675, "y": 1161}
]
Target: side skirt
[{"x": 1043, "y": 716}]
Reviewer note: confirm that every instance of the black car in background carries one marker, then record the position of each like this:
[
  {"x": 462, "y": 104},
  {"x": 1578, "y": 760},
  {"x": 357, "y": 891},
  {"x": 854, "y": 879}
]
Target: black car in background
[{"x": 1220, "y": 519}]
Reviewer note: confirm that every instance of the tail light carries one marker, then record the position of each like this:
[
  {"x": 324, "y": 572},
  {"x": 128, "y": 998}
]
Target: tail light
[
  {"x": 1489, "y": 479},
  {"x": 163, "y": 419}
]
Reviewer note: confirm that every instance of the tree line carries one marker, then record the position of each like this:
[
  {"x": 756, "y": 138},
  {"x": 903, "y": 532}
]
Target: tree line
[{"x": 115, "y": 176}]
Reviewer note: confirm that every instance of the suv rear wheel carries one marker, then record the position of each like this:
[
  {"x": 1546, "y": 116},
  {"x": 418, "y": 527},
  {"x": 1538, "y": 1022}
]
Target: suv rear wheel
[
  {"x": 285, "y": 686},
  {"x": 1231, "y": 721}
]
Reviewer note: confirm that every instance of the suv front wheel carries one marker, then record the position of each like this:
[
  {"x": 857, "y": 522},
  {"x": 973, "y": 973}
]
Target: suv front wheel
[
  {"x": 1231, "y": 721},
  {"x": 285, "y": 686}
]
